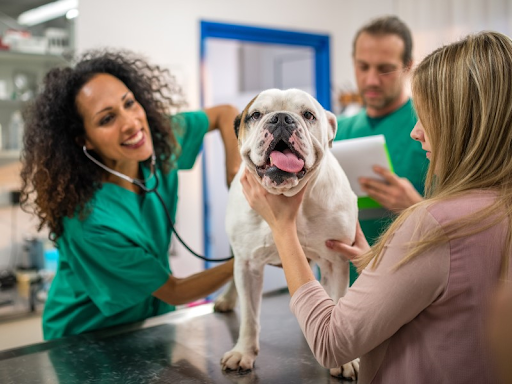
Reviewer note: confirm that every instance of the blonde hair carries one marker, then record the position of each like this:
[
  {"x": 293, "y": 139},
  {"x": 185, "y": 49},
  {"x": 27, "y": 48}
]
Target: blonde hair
[{"x": 463, "y": 97}]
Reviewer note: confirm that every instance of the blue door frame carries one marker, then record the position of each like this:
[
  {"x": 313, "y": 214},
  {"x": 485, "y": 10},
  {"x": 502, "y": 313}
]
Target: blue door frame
[
  {"x": 321, "y": 47},
  {"x": 320, "y": 44}
]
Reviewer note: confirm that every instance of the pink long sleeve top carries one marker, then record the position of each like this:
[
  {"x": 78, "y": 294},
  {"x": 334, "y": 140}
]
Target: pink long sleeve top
[{"x": 422, "y": 323}]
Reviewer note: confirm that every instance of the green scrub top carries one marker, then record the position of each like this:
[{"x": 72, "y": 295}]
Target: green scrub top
[
  {"x": 408, "y": 158},
  {"x": 112, "y": 261}
]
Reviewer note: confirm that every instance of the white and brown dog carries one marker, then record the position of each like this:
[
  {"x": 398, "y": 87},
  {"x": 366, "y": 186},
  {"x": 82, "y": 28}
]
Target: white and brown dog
[{"x": 284, "y": 139}]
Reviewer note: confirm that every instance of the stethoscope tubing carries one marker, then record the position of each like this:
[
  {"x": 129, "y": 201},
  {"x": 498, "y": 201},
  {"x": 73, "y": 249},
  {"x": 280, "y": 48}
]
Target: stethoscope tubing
[{"x": 142, "y": 185}]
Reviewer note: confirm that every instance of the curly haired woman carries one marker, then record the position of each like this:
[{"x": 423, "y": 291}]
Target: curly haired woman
[{"x": 114, "y": 110}]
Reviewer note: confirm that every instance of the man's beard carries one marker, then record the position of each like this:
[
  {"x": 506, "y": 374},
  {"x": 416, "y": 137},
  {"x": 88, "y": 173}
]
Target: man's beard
[{"x": 381, "y": 103}]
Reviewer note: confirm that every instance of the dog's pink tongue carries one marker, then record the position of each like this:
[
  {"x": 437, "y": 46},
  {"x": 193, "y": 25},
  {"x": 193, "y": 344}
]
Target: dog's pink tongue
[{"x": 286, "y": 161}]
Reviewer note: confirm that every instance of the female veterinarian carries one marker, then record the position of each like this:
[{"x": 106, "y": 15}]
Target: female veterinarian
[
  {"x": 417, "y": 313},
  {"x": 98, "y": 138}
]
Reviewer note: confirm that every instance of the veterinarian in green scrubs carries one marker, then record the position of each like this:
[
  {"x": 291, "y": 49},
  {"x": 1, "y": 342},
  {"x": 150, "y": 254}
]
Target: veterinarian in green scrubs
[{"x": 103, "y": 117}]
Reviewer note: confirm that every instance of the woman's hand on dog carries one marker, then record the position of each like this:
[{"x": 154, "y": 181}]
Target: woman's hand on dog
[
  {"x": 278, "y": 211},
  {"x": 350, "y": 252}
]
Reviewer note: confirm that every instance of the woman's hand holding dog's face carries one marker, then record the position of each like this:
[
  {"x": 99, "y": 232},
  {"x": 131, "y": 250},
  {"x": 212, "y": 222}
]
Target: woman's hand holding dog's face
[{"x": 278, "y": 211}]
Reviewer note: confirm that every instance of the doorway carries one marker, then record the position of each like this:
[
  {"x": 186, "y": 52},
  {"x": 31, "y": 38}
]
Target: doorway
[{"x": 238, "y": 62}]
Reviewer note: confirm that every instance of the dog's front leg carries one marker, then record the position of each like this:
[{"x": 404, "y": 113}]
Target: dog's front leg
[
  {"x": 335, "y": 278},
  {"x": 227, "y": 299},
  {"x": 248, "y": 276}
]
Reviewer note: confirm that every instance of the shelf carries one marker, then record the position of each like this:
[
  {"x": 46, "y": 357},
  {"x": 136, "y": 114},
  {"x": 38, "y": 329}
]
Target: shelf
[
  {"x": 11, "y": 104},
  {"x": 13, "y": 154},
  {"x": 32, "y": 57},
  {"x": 9, "y": 156},
  {"x": 34, "y": 66}
]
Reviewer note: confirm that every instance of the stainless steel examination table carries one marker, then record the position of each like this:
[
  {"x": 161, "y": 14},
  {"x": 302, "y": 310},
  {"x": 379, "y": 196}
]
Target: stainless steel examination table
[{"x": 181, "y": 347}]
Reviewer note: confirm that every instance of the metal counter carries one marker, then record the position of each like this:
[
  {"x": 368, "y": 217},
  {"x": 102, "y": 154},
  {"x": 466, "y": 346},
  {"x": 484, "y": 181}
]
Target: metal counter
[{"x": 181, "y": 347}]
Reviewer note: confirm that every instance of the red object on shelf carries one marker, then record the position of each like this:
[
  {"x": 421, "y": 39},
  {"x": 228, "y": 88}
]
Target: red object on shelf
[
  {"x": 12, "y": 36},
  {"x": 3, "y": 47}
]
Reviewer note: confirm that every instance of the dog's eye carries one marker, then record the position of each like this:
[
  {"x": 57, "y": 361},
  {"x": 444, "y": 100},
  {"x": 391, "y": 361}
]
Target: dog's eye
[
  {"x": 309, "y": 116},
  {"x": 256, "y": 115}
]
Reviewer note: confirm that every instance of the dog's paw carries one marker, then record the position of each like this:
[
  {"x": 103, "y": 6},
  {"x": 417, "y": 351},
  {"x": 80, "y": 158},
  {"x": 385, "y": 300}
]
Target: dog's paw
[
  {"x": 347, "y": 371},
  {"x": 224, "y": 304},
  {"x": 235, "y": 360}
]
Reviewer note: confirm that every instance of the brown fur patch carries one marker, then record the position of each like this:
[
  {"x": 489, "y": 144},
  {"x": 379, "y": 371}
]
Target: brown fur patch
[{"x": 241, "y": 129}]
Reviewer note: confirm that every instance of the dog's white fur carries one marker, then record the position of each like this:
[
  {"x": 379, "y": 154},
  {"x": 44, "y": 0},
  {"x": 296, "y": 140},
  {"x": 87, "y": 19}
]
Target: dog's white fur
[{"x": 328, "y": 211}]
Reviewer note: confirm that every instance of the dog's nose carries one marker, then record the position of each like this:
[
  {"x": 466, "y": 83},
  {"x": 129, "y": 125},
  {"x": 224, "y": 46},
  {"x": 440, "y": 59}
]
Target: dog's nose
[{"x": 282, "y": 119}]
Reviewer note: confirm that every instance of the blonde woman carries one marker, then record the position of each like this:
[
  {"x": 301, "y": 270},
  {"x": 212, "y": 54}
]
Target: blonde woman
[{"x": 417, "y": 313}]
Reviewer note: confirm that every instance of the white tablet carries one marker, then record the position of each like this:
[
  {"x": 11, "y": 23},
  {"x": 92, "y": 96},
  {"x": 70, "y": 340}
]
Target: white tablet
[{"x": 358, "y": 156}]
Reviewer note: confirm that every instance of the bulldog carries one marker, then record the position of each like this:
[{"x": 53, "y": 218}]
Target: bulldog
[{"x": 284, "y": 139}]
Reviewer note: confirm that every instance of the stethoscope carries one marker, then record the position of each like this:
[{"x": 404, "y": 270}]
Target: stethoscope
[{"x": 142, "y": 185}]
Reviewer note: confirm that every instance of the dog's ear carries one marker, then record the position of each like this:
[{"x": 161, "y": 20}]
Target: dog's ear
[
  {"x": 238, "y": 119},
  {"x": 333, "y": 125}
]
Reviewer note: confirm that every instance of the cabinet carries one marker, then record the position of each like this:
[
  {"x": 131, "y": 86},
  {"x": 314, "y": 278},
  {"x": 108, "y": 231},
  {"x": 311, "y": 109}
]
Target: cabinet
[{"x": 21, "y": 75}]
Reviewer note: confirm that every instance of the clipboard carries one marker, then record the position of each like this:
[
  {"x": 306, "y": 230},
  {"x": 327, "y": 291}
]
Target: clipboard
[{"x": 357, "y": 157}]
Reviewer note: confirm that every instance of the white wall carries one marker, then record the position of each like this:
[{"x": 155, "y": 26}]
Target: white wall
[
  {"x": 439, "y": 22},
  {"x": 167, "y": 32}
]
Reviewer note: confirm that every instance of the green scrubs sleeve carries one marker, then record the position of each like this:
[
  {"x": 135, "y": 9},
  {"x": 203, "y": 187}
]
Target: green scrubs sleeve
[
  {"x": 190, "y": 128},
  {"x": 115, "y": 272}
]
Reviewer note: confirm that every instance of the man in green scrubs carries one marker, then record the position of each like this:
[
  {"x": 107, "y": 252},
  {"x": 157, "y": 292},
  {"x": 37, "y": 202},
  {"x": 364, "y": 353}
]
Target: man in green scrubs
[{"x": 382, "y": 56}]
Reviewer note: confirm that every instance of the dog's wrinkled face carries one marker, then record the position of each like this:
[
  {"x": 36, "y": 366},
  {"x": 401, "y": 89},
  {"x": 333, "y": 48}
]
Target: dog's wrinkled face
[{"x": 282, "y": 137}]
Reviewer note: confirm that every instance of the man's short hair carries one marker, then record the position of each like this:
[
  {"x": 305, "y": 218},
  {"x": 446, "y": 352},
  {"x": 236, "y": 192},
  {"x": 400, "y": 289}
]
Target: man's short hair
[{"x": 388, "y": 25}]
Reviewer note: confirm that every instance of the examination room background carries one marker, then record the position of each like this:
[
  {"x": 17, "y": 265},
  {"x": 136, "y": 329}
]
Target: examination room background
[{"x": 168, "y": 33}]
